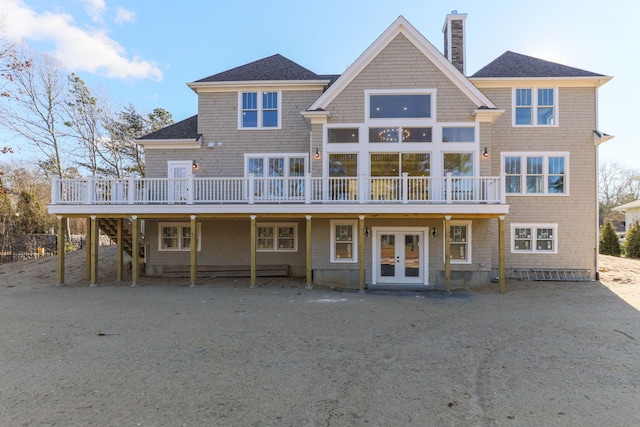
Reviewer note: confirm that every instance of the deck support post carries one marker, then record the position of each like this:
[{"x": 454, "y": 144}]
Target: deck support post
[
  {"x": 502, "y": 270},
  {"x": 94, "y": 251},
  {"x": 194, "y": 251},
  {"x": 61, "y": 225},
  {"x": 87, "y": 249},
  {"x": 309, "y": 260},
  {"x": 447, "y": 253},
  {"x": 135, "y": 250},
  {"x": 119, "y": 250},
  {"x": 361, "y": 252},
  {"x": 253, "y": 250}
]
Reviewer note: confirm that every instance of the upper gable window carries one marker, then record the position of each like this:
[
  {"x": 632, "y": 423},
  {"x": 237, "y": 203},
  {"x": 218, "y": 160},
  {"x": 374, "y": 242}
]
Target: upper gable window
[
  {"x": 259, "y": 110},
  {"x": 534, "y": 107},
  {"x": 394, "y": 106}
]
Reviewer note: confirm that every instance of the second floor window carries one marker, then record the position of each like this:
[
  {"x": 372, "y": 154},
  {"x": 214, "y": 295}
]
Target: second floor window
[
  {"x": 534, "y": 107},
  {"x": 535, "y": 174},
  {"x": 259, "y": 110}
]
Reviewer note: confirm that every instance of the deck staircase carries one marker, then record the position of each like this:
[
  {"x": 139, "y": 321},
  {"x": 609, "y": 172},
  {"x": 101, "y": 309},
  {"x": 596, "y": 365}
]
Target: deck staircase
[{"x": 109, "y": 226}]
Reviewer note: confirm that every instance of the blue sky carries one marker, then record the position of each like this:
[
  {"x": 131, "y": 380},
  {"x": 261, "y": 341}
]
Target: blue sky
[{"x": 144, "y": 52}]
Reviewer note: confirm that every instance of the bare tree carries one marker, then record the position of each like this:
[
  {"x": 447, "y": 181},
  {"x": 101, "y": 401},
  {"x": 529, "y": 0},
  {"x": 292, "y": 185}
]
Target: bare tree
[
  {"x": 35, "y": 109},
  {"x": 617, "y": 187}
]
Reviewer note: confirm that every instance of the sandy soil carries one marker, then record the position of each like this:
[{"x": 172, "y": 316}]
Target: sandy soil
[{"x": 222, "y": 354}]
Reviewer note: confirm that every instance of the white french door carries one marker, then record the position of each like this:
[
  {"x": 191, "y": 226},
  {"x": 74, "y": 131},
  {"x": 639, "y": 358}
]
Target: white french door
[{"x": 399, "y": 256}]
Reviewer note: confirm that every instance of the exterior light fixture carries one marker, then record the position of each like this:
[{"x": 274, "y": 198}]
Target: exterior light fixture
[
  {"x": 317, "y": 154},
  {"x": 485, "y": 153},
  {"x": 366, "y": 232},
  {"x": 195, "y": 165},
  {"x": 434, "y": 232}
]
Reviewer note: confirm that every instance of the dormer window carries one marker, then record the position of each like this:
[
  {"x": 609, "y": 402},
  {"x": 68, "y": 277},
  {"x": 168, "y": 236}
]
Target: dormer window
[{"x": 259, "y": 110}]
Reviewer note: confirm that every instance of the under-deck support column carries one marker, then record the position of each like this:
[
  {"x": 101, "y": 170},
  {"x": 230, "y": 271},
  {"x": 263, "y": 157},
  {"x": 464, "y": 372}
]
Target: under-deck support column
[
  {"x": 119, "y": 250},
  {"x": 308, "y": 253},
  {"x": 94, "y": 251},
  {"x": 135, "y": 250},
  {"x": 447, "y": 253},
  {"x": 253, "y": 251},
  {"x": 87, "y": 249},
  {"x": 502, "y": 270},
  {"x": 61, "y": 224},
  {"x": 361, "y": 252},
  {"x": 194, "y": 251}
]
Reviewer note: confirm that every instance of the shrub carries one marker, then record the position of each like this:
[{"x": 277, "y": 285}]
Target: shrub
[
  {"x": 632, "y": 246},
  {"x": 609, "y": 243}
]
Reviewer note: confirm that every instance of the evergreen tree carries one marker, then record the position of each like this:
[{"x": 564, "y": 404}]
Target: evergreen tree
[
  {"x": 632, "y": 246},
  {"x": 609, "y": 243}
]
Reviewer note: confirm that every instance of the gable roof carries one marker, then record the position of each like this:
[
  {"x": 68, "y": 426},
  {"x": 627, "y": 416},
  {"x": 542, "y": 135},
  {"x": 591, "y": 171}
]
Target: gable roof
[
  {"x": 511, "y": 64},
  {"x": 402, "y": 26},
  {"x": 271, "y": 68},
  {"x": 184, "y": 129}
]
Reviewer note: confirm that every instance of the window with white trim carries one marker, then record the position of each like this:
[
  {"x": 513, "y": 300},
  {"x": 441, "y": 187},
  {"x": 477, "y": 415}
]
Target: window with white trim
[
  {"x": 394, "y": 106},
  {"x": 176, "y": 236},
  {"x": 277, "y": 175},
  {"x": 277, "y": 237},
  {"x": 534, "y": 238},
  {"x": 344, "y": 241},
  {"x": 536, "y": 173},
  {"x": 343, "y": 135},
  {"x": 259, "y": 110},
  {"x": 400, "y": 105},
  {"x": 460, "y": 242},
  {"x": 534, "y": 107}
]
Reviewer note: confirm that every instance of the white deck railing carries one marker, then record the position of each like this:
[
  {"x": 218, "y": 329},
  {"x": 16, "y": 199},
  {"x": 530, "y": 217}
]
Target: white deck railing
[{"x": 252, "y": 189}]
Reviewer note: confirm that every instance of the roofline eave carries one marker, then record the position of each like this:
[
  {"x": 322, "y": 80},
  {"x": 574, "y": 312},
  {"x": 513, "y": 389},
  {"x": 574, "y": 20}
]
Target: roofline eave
[
  {"x": 183, "y": 143},
  {"x": 581, "y": 81},
  {"x": 234, "y": 85}
]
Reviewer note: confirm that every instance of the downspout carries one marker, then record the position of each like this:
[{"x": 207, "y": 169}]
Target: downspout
[{"x": 597, "y": 204}]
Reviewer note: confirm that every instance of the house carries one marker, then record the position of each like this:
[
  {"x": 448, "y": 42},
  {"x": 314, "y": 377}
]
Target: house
[
  {"x": 400, "y": 172},
  {"x": 631, "y": 213}
]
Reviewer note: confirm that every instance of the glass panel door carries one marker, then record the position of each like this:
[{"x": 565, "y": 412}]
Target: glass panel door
[
  {"x": 177, "y": 188},
  {"x": 387, "y": 255},
  {"x": 412, "y": 255},
  {"x": 399, "y": 257}
]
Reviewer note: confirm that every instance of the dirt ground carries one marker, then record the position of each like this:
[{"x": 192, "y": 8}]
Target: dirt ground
[{"x": 222, "y": 354}]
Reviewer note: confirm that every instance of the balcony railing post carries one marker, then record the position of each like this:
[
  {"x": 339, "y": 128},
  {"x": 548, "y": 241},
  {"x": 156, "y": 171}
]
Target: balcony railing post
[
  {"x": 89, "y": 195},
  {"x": 405, "y": 187},
  {"x": 132, "y": 191},
  {"x": 501, "y": 185},
  {"x": 448, "y": 187},
  {"x": 190, "y": 189},
  {"x": 55, "y": 190},
  {"x": 251, "y": 189},
  {"x": 362, "y": 188},
  {"x": 307, "y": 188}
]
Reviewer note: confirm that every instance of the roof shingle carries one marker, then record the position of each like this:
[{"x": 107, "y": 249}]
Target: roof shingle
[
  {"x": 511, "y": 64},
  {"x": 275, "y": 67},
  {"x": 185, "y": 129}
]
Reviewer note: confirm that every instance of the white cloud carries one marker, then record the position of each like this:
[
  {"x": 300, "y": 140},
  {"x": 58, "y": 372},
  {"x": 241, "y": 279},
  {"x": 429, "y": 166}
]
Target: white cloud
[
  {"x": 124, "y": 15},
  {"x": 95, "y": 9},
  {"x": 78, "y": 49}
]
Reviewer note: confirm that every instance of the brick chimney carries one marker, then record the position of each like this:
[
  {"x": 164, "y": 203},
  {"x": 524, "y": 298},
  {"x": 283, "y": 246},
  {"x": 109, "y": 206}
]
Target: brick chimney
[{"x": 454, "y": 48}]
